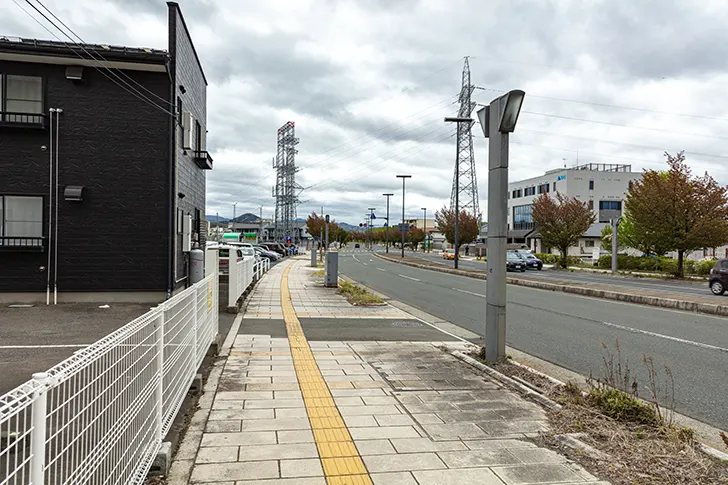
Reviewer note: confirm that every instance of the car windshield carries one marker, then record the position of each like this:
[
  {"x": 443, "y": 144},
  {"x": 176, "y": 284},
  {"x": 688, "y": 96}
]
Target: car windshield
[
  {"x": 247, "y": 251},
  {"x": 513, "y": 257}
]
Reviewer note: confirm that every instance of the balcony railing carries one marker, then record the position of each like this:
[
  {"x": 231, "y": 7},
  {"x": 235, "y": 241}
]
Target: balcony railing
[
  {"x": 202, "y": 159},
  {"x": 15, "y": 243},
  {"x": 26, "y": 120}
]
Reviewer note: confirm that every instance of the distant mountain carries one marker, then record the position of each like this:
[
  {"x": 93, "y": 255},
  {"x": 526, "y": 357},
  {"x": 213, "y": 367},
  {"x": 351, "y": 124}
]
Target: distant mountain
[
  {"x": 348, "y": 227},
  {"x": 247, "y": 218},
  {"x": 213, "y": 218}
]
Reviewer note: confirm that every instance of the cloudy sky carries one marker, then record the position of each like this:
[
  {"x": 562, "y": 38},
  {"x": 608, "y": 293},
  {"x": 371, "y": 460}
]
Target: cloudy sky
[{"x": 368, "y": 83}]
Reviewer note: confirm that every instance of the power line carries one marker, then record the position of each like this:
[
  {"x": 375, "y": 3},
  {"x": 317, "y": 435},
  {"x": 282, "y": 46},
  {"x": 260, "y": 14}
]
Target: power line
[
  {"x": 604, "y": 105},
  {"x": 661, "y": 130},
  {"x": 129, "y": 89},
  {"x": 98, "y": 54}
]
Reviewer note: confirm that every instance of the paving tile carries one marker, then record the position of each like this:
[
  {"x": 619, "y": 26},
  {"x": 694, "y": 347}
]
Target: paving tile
[
  {"x": 427, "y": 418},
  {"x": 403, "y": 462},
  {"x": 360, "y": 421},
  {"x": 498, "y": 444},
  {"x": 275, "y": 424},
  {"x": 279, "y": 386},
  {"x": 394, "y": 420},
  {"x": 537, "y": 455},
  {"x": 479, "y": 476},
  {"x": 501, "y": 428},
  {"x": 238, "y": 439},
  {"x": 226, "y": 426},
  {"x": 238, "y": 414},
  {"x": 287, "y": 394},
  {"x": 349, "y": 401},
  {"x": 217, "y": 454},
  {"x": 217, "y": 472},
  {"x": 357, "y": 392},
  {"x": 396, "y": 478},
  {"x": 379, "y": 400},
  {"x": 454, "y": 431},
  {"x": 290, "y": 413},
  {"x": 545, "y": 473},
  {"x": 383, "y": 432},
  {"x": 420, "y": 445},
  {"x": 478, "y": 458},
  {"x": 274, "y": 403},
  {"x": 278, "y": 452},
  {"x": 362, "y": 410},
  {"x": 301, "y": 468},
  {"x": 298, "y": 436},
  {"x": 374, "y": 447},
  {"x": 242, "y": 395}
]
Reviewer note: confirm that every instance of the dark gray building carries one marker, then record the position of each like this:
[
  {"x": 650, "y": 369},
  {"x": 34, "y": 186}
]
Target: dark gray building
[{"x": 103, "y": 161}]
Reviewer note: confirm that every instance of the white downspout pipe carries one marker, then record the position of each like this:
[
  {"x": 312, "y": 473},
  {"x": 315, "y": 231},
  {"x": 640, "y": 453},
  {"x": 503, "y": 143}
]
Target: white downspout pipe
[
  {"x": 50, "y": 206},
  {"x": 55, "y": 235}
]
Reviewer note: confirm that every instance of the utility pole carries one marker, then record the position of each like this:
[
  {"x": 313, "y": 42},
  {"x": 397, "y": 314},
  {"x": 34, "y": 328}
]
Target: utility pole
[
  {"x": 424, "y": 226},
  {"x": 498, "y": 120},
  {"x": 615, "y": 242},
  {"x": 217, "y": 230},
  {"x": 455, "y": 202},
  {"x": 260, "y": 231},
  {"x": 401, "y": 229},
  {"x": 371, "y": 229},
  {"x": 235, "y": 204},
  {"x": 386, "y": 231}
]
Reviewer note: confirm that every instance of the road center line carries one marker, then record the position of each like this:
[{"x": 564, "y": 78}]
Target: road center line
[
  {"x": 408, "y": 277},
  {"x": 667, "y": 337},
  {"x": 469, "y": 292},
  {"x": 382, "y": 269}
]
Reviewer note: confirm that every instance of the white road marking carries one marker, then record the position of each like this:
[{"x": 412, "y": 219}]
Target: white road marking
[
  {"x": 408, "y": 277},
  {"x": 355, "y": 258},
  {"x": 666, "y": 337},
  {"x": 469, "y": 292},
  {"x": 57, "y": 346},
  {"x": 382, "y": 269}
]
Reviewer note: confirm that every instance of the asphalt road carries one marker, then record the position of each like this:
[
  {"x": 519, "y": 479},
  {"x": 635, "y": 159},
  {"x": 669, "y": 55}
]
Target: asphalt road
[
  {"x": 568, "y": 330},
  {"x": 699, "y": 288}
]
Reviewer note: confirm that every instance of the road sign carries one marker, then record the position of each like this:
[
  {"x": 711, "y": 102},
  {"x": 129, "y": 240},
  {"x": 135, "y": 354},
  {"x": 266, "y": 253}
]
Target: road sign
[{"x": 288, "y": 240}]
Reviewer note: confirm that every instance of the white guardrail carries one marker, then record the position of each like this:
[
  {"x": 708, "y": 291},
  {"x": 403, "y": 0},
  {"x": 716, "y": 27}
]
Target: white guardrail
[
  {"x": 242, "y": 274},
  {"x": 99, "y": 417}
]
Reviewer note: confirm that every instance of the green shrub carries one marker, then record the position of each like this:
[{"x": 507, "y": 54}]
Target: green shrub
[
  {"x": 622, "y": 406},
  {"x": 547, "y": 258},
  {"x": 703, "y": 268}
]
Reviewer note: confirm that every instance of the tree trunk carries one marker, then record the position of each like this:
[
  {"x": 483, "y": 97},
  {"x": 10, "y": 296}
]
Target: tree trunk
[
  {"x": 564, "y": 257},
  {"x": 679, "y": 272}
]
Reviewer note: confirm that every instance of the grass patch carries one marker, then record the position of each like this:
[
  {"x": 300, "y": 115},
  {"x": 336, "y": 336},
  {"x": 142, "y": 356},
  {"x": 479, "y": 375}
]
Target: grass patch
[
  {"x": 357, "y": 295},
  {"x": 319, "y": 273}
]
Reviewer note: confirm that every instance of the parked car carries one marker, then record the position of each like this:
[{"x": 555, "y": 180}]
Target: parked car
[
  {"x": 246, "y": 248},
  {"x": 718, "y": 281},
  {"x": 277, "y": 247},
  {"x": 532, "y": 262},
  {"x": 270, "y": 255},
  {"x": 356, "y": 246},
  {"x": 448, "y": 254},
  {"x": 514, "y": 262}
]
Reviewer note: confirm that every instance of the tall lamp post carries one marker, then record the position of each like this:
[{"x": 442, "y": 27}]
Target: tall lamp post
[
  {"x": 234, "y": 205},
  {"x": 498, "y": 120},
  {"x": 371, "y": 229},
  {"x": 386, "y": 231},
  {"x": 424, "y": 227},
  {"x": 401, "y": 229},
  {"x": 457, "y": 120}
]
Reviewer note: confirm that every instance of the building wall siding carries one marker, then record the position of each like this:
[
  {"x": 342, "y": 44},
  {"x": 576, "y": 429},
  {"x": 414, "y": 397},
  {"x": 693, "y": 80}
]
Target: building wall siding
[{"x": 116, "y": 146}]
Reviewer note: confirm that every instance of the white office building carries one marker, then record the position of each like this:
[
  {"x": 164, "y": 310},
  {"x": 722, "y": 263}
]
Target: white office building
[{"x": 602, "y": 186}]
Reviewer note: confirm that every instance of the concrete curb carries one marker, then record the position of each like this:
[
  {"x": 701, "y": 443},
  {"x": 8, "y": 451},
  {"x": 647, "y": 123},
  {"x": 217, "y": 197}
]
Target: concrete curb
[
  {"x": 528, "y": 392},
  {"x": 685, "y": 305}
]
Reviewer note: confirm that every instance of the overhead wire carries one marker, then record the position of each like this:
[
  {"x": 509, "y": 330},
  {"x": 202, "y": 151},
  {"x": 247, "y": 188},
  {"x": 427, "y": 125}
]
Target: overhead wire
[
  {"x": 126, "y": 87},
  {"x": 121, "y": 72}
]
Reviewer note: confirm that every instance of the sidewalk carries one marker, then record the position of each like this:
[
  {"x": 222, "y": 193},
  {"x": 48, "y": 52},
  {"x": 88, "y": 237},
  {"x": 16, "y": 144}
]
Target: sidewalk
[{"x": 315, "y": 391}]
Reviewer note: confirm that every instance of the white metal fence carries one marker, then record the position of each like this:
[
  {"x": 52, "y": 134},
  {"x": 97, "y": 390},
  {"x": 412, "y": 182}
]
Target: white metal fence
[
  {"x": 242, "y": 274},
  {"x": 99, "y": 416}
]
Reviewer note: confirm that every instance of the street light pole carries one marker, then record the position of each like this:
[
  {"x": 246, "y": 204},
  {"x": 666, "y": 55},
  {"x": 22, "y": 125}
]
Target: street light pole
[
  {"x": 235, "y": 204},
  {"x": 615, "y": 242},
  {"x": 371, "y": 229},
  {"x": 386, "y": 231},
  {"x": 498, "y": 120},
  {"x": 424, "y": 228},
  {"x": 401, "y": 229}
]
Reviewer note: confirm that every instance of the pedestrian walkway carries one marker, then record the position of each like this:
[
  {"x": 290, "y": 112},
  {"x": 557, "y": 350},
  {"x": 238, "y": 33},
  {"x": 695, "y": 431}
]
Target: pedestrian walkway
[{"x": 365, "y": 398}]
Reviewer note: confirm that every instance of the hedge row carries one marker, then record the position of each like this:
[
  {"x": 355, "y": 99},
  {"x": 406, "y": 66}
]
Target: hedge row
[{"x": 658, "y": 264}]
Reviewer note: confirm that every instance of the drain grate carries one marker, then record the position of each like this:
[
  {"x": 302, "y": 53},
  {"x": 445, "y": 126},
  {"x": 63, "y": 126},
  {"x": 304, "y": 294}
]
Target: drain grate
[{"x": 405, "y": 323}]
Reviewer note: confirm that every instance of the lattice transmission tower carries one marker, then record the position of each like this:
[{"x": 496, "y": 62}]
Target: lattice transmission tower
[
  {"x": 466, "y": 184},
  {"x": 286, "y": 190}
]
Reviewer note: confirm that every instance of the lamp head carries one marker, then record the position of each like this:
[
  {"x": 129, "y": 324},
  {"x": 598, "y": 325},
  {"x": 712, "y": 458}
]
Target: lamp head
[{"x": 511, "y": 108}]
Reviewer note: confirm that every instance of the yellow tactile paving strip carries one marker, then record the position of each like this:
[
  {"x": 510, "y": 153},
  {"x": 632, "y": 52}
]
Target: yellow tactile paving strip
[{"x": 340, "y": 459}]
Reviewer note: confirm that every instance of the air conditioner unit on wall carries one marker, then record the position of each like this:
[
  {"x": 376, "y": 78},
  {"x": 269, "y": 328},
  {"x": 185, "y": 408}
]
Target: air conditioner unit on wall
[{"x": 187, "y": 122}]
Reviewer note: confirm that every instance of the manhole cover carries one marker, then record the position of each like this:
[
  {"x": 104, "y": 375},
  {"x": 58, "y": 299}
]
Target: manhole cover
[{"x": 405, "y": 323}]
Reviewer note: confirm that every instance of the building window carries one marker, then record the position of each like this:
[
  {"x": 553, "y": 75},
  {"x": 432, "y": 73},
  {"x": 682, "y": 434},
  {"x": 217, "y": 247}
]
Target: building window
[
  {"x": 609, "y": 209},
  {"x": 21, "y": 221},
  {"x": 197, "y": 136},
  {"x": 591, "y": 185},
  {"x": 554, "y": 186},
  {"x": 179, "y": 111},
  {"x": 591, "y": 204},
  {"x": 22, "y": 99},
  {"x": 589, "y": 243},
  {"x": 630, "y": 184},
  {"x": 544, "y": 188},
  {"x": 523, "y": 218}
]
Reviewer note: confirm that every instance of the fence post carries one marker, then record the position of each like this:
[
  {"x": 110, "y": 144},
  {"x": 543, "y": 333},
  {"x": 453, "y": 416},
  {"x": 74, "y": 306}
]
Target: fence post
[
  {"x": 232, "y": 280},
  {"x": 39, "y": 412},
  {"x": 195, "y": 323},
  {"x": 159, "y": 339}
]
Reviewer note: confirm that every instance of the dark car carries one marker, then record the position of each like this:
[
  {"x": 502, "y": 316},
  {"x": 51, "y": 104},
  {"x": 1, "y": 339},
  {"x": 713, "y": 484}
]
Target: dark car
[
  {"x": 514, "y": 262},
  {"x": 719, "y": 277},
  {"x": 277, "y": 247},
  {"x": 356, "y": 246},
  {"x": 532, "y": 262}
]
